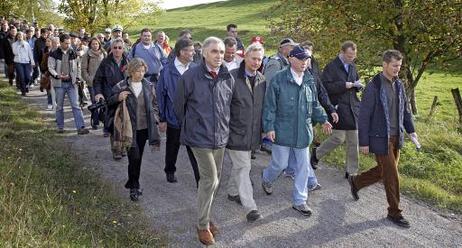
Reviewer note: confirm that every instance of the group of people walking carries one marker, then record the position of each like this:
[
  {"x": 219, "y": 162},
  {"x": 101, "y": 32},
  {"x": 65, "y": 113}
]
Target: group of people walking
[{"x": 220, "y": 97}]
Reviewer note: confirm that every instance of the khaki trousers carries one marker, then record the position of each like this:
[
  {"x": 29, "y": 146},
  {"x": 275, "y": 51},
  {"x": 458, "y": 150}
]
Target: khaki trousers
[
  {"x": 338, "y": 137},
  {"x": 239, "y": 182},
  {"x": 210, "y": 163}
]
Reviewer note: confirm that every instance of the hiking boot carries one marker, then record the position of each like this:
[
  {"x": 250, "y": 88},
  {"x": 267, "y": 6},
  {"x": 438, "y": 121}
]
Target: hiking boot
[
  {"x": 354, "y": 190},
  {"x": 134, "y": 194},
  {"x": 171, "y": 178},
  {"x": 205, "y": 236},
  {"x": 289, "y": 175},
  {"x": 253, "y": 216},
  {"x": 235, "y": 198},
  {"x": 116, "y": 156},
  {"x": 303, "y": 209},
  {"x": 313, "y": 160},
  {"x": 399, "y": 221},
  {"x": 267, "y": 187},
  {"x": 315, "y": 187},
  {"x": 82, "y": 131}
]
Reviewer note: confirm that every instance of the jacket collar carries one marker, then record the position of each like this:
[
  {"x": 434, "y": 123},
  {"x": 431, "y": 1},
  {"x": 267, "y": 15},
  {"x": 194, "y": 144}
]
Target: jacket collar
[
  {"x": 223, "y": 73},
  {"x": 307, "y": 77}
]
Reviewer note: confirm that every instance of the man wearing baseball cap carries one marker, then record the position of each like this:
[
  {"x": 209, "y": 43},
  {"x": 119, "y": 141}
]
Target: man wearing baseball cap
[
  {"x": 291, "y": 105},
  {"x": 116, "y": 33},
  {"x": 279, "y": 61}
]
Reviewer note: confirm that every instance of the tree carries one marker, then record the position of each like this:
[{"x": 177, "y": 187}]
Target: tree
[
  {"x": 425, "y": 31},
  {"x": 42, "y": 11},
  {"x": 97, "y": 14}
]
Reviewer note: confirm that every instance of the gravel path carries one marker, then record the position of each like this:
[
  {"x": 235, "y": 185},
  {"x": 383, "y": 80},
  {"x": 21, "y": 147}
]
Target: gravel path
[{"x": 337, "y": 221}]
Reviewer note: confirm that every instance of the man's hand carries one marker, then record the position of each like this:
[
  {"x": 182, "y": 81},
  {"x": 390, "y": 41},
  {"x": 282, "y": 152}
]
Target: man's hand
[
  {"x": 349, "y": 85},
  {"x": 364, "y": 149},
  {"x": 123, "y": 95},
  {"x": 327, "y": 128},
  {"x": 358, "y": 84},
  {"x": 163, "y": 127},
  {"x": 334, "y": 117},
  {"x": 271, "y": 135},
  {"x": 99, "y": 96}
]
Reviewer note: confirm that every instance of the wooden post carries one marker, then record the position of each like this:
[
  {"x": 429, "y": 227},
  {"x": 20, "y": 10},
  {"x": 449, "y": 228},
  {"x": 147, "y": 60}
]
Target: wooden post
[
  {"x": 456, "y": 94},
  {"x": 434, "y": 107}
]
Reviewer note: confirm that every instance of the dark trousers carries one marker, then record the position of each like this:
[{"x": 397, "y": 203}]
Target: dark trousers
[
  {"x": 135, "y": 156},
  {"x": 35, "y": 74},
  {"x": 23, "y": 71},
  {"x": 386, "y": 169},
  {"x": 11, "y": 75},
  {"x": 94, "y": 113},
  {"x": 171, "y": 153}
]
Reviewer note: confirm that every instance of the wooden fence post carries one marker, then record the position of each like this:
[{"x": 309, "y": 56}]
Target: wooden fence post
[
  {"x": 456, "y": 94},
  {"x": 434, "y": 107}
]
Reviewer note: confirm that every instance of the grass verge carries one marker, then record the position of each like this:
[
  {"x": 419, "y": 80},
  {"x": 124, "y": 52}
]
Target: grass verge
[
  {"x": 49, "y": 199},
  {"x": 435, "y": 173}
]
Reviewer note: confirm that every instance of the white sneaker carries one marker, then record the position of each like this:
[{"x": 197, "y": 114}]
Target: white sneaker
[{"x": 50, "y": 107}]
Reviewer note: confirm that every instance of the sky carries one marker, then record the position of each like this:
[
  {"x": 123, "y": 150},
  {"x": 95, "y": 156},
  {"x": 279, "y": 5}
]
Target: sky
[{"x": 171, "y": 4}]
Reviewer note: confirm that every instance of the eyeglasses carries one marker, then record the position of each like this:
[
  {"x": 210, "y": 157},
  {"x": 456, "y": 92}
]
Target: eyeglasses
[{"x": 118, "y": 47}]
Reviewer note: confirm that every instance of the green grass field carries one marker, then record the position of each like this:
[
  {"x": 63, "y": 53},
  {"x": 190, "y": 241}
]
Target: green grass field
[
  {"x": 48, "y": 198},
  {"x": 434, "y": 174}
]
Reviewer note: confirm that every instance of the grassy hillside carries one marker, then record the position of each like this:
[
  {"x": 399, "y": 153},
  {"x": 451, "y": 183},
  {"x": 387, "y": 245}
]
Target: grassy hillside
[
  {"x": 211, "y": 19},
  {"x": 434, "y": 174}
]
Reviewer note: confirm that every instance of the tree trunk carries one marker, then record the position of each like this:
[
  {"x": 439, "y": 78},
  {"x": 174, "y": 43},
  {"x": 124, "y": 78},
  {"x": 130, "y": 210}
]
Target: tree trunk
[{"x": 412, "y": 101}]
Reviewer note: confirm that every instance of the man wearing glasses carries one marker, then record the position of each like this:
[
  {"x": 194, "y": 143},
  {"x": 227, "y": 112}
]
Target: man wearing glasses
[{"x": 111, "y": 71}]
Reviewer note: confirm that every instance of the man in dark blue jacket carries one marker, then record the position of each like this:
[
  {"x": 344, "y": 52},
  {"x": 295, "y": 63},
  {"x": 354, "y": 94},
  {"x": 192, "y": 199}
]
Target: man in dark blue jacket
[
  {"x": 166, "y": 90},
  {"x": 341, "y": 80},
  {"x": 383, "y": 117},
  {"x": 202, "y": 106}
]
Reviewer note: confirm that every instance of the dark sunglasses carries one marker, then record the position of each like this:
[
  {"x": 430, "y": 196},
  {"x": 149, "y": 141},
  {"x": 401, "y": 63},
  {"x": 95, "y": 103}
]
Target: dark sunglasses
[{"x": 118, "y": 47}]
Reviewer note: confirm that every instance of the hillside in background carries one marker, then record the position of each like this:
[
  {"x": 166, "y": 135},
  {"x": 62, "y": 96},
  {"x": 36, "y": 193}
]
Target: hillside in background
[{"x": 211, "y": 19}]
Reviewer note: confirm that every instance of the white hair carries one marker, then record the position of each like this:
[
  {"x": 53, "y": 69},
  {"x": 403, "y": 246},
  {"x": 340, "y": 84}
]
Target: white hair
[
  {"x": 213, "y": 40},
  {"x": 255, "y": 47}
]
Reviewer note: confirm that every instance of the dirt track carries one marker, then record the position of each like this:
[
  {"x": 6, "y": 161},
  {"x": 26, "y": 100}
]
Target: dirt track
[{"x": 338, "y": 221}]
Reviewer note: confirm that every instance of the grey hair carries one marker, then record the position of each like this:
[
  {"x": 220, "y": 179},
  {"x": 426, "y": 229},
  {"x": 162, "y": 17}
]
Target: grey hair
[
  {"x": 213, "y": 40},
  {"x": 117, "y": 40},
  {"x": 135, "y": 64},
  {"x": 255, "y": 47}
]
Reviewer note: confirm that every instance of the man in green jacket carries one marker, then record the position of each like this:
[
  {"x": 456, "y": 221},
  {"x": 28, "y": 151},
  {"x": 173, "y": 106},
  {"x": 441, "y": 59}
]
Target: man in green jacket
[{"x": 290, "y": 107}]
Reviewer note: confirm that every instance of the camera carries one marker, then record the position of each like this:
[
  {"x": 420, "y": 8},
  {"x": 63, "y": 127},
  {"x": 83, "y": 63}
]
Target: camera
[{"x": 101, "y": 103}]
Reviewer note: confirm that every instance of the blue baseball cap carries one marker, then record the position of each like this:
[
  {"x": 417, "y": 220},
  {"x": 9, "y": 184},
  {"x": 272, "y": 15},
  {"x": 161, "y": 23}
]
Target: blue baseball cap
[{"x": 299, "y": 53}]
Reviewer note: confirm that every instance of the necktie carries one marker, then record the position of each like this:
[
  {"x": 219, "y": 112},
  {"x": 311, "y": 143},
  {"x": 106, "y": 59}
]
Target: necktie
[{"x": 213, "y": 74}]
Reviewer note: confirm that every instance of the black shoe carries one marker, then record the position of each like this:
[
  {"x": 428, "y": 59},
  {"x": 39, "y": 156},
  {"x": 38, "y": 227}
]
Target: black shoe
[
  {"x": 82, "y": 131},
  {"x": 94, "y": 127},
  {"x": 347, "y": 175},
  {"x": 354, "y": 190},
  {"x": 235, "y": 198},
  {"x": 303, "y": 209},
  {"x": 134, "y": 194},
  {"x": 399, "y": 221},
  {"x": 171, "y": 178},
  {"x": 252, "y": 155},
  {"x": 253, "y": 216},
  {"x": 313, "y": 160},
  {"x": 116, "y": 156}
]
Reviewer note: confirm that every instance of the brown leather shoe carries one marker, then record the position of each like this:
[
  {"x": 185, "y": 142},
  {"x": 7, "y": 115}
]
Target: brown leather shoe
[
  {"x": 213, "y": 229},
  {"x": 205, "y": 237}
]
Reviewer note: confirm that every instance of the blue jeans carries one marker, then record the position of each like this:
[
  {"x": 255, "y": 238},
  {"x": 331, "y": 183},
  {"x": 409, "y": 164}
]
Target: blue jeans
[
  {"x": 23, "y": 70},
  {"x": 68, "y": 87},
  {"x": 280, "y": 159},
  {"x": 312, "y": 180}
]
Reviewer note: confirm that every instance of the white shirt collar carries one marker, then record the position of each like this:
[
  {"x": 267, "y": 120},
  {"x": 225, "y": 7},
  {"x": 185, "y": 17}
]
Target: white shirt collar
[
  {"x": 298, "y": 79},
  {"x": 180, "y": 66}
]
